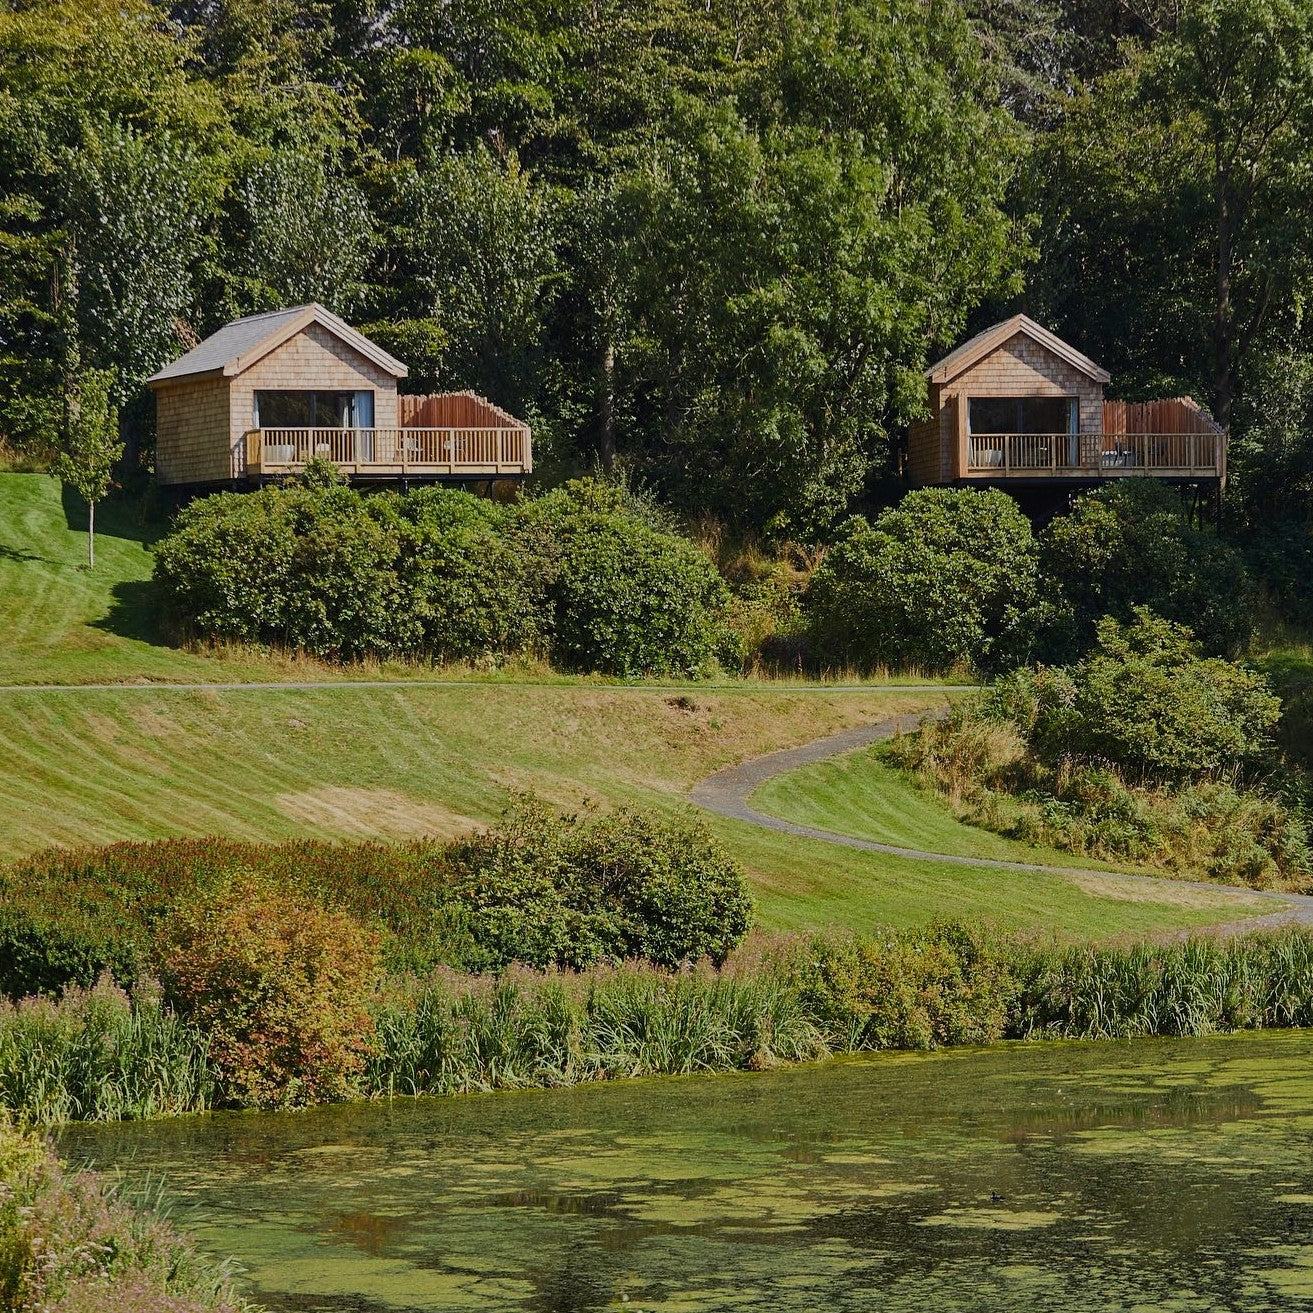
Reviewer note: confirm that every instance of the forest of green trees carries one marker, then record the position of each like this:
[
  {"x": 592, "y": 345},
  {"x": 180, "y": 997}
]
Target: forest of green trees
[{"x": 716, "y": 241}]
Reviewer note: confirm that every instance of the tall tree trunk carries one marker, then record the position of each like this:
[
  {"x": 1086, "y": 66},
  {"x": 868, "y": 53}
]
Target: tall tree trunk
[
  {"x": 91, "y": 535},
  {"x": 608, "y": 405}
]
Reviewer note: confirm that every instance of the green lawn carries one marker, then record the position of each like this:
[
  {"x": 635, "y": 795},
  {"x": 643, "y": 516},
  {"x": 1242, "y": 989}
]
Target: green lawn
[
  {"x": 90, "y": 766},
  {"x": 860, "y": 795}
]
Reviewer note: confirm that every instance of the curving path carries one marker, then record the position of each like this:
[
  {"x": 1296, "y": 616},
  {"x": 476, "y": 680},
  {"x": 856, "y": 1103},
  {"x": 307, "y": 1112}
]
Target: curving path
[{"x": 727, "y": 793}]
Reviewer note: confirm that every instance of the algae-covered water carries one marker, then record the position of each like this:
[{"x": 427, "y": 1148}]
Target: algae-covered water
[{"x": 1152, "y": 1175}]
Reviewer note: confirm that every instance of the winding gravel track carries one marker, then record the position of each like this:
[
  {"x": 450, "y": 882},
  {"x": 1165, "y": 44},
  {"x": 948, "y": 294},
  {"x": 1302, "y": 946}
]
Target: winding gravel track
[{"x": 727, "y": 793}]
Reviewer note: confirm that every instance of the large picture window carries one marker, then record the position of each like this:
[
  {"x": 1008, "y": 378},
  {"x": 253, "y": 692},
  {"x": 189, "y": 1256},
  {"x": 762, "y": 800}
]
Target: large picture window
[
  {"x": 1024, "y": 414},
  {"x": 314, "y": 410}
]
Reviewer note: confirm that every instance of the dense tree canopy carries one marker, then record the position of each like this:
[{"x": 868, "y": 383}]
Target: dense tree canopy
[{"x": 715, "y": 241}]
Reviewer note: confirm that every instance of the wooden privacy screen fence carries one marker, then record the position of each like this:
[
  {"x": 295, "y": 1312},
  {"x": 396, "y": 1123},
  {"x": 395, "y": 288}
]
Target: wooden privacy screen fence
[
  {"x": 1177, "y": 415},
  {"x": 453, "y": 434},
  {"x": 454, "y": 410}
]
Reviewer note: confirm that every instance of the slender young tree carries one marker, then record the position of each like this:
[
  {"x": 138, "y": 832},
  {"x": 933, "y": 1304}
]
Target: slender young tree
[{"x": 90, "y": 444}]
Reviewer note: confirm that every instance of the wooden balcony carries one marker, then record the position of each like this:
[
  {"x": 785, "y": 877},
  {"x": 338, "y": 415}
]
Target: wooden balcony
[
  {"x": 396, "y": 453},
  {"x": 1094, "y": 456}
]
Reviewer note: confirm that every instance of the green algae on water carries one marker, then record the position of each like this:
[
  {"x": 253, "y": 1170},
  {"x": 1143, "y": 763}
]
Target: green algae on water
[{"x": 1151, "y": 1174}]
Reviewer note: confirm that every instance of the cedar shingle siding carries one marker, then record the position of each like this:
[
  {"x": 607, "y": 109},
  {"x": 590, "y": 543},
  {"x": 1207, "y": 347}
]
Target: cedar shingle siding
[
  {"x": 1018, "y": 367},
  {"x": 205, "y": 402},
  {"x": 192, "y": 443}
]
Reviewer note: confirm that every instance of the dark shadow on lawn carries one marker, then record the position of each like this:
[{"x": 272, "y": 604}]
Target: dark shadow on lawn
[
  {"x": 134, "y": 613},
  {"x": 17, "y": 554},
  {"x": 137, "y": 517}
]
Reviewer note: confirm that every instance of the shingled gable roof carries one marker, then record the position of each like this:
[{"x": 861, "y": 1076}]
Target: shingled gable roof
[
  {"x": 982, "y": 344},
  {"x": 238, "y": 345}
]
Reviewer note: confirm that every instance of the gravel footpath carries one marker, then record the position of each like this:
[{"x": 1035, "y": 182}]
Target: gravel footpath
[{"x": 728, "y": 791}]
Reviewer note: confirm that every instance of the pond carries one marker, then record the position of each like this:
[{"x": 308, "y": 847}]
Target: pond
[{"x": 1154, "y": 1174}]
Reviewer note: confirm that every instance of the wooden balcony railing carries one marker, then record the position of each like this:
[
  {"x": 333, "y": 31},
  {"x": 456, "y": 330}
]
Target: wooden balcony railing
[
  {"x": 1094, "y": 455},
  {"x": 398, "y": 452}
]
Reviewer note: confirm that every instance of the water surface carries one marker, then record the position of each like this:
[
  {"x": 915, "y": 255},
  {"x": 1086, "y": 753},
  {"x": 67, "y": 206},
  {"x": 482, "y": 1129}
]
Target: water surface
[{"x": 1163, "y": 1175}]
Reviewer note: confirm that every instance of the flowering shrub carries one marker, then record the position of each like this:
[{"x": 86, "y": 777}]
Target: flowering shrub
[{"x": 280, "y": 986}]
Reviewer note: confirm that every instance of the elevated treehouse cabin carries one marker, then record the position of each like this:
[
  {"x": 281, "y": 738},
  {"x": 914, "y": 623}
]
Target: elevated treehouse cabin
[
  {"x": 1018, "y": 406},
  {"x": 265, "y": 394}
]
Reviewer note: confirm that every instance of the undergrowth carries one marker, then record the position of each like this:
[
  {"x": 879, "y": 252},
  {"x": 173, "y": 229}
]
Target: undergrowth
[
  {"x": 70, "y": 1243},
  {"x": 776, "y": 1000}
]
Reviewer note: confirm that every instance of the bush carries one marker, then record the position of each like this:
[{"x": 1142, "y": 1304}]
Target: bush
[
  {"x": 582, "y": 573},
  {"x": 625, "y": 598},
  {"x": 1147, "y": 703},
  {"x": 304, "y": 567},
  {"x": 1144, "y": 751},
  {"x": 69, "y": 1244},
  {"x": 537, "y": 888},
  {"x": 1129, "y": 545},
  {"x": 946, "y": 984},
  {"x": 950, "y": 576},
  {"x": 466, "y": 577},
  {"x": 279, "y": 986},
  {"x": 550, "y": 891}
]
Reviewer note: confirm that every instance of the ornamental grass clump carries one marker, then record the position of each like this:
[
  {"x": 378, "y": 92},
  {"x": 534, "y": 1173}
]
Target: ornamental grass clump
[{"x": 280, "y": 987}]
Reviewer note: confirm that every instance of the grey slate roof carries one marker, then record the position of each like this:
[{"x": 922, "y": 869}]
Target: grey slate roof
[{"x": 239, "y": 344}]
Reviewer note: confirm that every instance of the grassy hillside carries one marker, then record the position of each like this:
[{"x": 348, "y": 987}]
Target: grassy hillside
[
  {"x": 859, "y": 795},
  {"x": 87, "y": 766},
  {"x": 60, "y": 622},
  {"x": 92, "y": 766}
]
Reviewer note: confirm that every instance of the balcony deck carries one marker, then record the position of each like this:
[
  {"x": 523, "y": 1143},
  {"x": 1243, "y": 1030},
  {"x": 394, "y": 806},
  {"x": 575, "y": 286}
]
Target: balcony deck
[
  {"x": 396, "y": 453},
  {"x": 1045, "y": 457}
]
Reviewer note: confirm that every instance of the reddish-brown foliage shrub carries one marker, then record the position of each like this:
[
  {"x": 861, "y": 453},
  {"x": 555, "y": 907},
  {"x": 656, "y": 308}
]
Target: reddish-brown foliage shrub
[{"x": 281, "y": 986}]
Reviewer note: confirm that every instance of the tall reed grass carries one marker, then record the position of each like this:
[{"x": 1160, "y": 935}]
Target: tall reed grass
[
  {"x": 96, "y": 1055},
  {"x": 451, "y": 1034},
  {"x": 1196, "y": 987}
]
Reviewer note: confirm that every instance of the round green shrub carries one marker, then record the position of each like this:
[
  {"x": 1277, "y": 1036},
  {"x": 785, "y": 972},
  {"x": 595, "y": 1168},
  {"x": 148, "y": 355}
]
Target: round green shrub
[
  {"x": 948, "y": 576},
  {"x": 305, "y": 567},
  {"x": 1129, "y": 544},
  {"x": 628, "y": 600},
  {"x": 468, "y": 584},
  {"x": 1146, "y": 702},
  {"x": 546, "y": 890}
]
